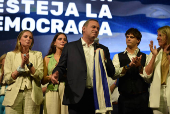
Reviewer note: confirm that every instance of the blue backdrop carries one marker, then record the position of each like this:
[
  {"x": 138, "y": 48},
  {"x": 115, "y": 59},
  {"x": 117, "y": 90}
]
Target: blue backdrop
[{"x": 47, "y": 17}]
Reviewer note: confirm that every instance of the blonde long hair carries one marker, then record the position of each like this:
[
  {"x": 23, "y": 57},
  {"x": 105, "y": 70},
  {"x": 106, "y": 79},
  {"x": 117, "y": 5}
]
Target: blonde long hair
[
  {"x": 18, "y": 45},
  {"x": 165, "y": 30}
]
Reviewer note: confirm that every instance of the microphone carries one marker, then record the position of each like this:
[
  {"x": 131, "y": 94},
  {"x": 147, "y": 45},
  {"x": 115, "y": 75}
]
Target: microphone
[{"x": 96, "y": 42}]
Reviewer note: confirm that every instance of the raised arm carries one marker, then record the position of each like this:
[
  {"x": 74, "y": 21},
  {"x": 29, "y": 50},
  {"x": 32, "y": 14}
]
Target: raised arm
[{"x": 150, "y": 67}]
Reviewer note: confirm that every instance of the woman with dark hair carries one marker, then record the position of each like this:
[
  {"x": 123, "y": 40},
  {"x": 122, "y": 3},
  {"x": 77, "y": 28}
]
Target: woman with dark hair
[
  {"x": 23, "y": 71},
  {"x": 54, "y": 93}
]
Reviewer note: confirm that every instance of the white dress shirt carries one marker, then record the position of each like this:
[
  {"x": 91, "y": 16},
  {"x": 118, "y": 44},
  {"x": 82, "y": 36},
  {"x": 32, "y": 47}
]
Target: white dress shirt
[
  {"x": 115, "y": 95},
  {"x": 89, "y": 56},
  {"x": 119, "y": 69}
]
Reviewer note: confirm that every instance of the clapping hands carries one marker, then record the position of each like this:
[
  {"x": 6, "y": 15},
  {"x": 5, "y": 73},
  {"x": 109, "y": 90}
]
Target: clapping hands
[
  {"x": 136, "y": 61},
  {"x": 25, "y": 59}
]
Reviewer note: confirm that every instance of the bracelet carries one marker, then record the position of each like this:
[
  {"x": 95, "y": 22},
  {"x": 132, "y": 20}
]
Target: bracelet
[
  {"x": 127, "y": 67},
  {"x": 29, "y": 65},
  {"x": 20, "y": 69}
]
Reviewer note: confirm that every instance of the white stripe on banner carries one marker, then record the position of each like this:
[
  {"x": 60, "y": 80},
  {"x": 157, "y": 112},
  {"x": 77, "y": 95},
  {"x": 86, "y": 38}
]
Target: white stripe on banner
[{"x": 101, "y": 89}]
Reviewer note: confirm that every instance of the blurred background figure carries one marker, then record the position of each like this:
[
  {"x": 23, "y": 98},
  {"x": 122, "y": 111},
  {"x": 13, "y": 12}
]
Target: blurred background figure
[
  {"x": 23, "y": 71},
  {"x": 54, "y": 93},
  {"x": 114, "y": 94},
  {"x": 2, "y": 86}
]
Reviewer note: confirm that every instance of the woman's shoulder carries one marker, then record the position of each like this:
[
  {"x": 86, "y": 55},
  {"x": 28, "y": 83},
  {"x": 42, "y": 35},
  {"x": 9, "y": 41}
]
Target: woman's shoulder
[
  {"x": 49, "y": 56},
  {"x": 11, "y": 53},
  {"x": 46, "y": 59},
  {"x": 35, "y": 52}
]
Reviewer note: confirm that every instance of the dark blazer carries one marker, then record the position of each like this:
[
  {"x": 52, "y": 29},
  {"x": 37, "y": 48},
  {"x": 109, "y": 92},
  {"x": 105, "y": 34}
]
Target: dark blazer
[{"x": 73, "y": 62}]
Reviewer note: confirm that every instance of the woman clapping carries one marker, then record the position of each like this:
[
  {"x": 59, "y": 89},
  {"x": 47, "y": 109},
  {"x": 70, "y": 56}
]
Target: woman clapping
[{"x": 23, "y": 73}]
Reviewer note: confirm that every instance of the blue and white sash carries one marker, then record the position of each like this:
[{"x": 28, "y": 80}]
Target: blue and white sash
[{"x": 101, "y": 89}]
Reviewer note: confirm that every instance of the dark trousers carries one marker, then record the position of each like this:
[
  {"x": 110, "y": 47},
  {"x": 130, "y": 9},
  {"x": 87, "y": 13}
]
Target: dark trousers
[
  {"x": 133, "y": 104},
  {"x": 115, "y": 109},
  {"x": 85, "y": 105}
]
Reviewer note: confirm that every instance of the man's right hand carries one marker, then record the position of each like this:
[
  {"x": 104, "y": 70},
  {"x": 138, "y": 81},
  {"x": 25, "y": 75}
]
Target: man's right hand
[
  {"x": 54, "y": 77},
  {"x": 138, "y": 61},
  {"x": 132, "y": 63}
]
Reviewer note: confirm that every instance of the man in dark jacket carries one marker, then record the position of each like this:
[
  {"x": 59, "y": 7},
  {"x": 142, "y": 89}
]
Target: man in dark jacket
[{"x": 77, "y": 59}]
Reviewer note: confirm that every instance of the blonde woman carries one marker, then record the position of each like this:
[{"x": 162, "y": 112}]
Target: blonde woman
[
  {"x": 2, "y": 85},
  {"x": 157, "y": 71},
  {"x": 54, "y": 93},
  {"x": 23, "y": 71}
]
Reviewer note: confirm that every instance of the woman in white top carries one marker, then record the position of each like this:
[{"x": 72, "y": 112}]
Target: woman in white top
[
  {"x": 23, "y": 71},
  {"x": 157, "y": 71}
]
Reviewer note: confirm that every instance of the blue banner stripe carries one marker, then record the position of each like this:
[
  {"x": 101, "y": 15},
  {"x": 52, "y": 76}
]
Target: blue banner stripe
[
  {"x": 96, "y": 104},
  {"x": 105, "y": 84}
]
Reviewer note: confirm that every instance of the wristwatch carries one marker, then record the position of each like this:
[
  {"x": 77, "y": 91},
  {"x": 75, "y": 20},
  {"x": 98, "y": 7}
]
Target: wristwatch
[
  {"x": 20, "y": 69},
  {"x": 29, "y": 65}
]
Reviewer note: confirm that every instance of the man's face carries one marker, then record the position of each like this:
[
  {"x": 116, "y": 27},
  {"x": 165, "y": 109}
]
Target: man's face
[
  {"x": 131, "y": 41},
  {"x": 91, "y": 31}
]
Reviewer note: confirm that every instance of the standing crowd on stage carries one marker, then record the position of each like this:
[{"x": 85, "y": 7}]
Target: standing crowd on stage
[{"x": 80, "y": 78}]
